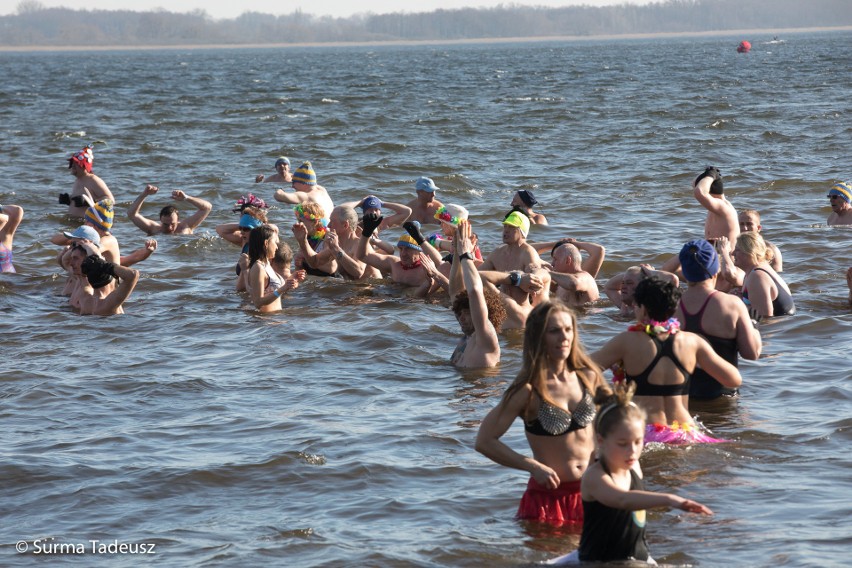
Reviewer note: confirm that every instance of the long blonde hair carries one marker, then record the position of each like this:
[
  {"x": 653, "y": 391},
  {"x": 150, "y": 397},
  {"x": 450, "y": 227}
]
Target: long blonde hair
[{"x": 534, "y": 366}]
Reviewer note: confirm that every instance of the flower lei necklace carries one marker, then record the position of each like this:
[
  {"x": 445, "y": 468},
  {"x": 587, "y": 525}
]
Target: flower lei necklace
[
  {"x": 319, "y": 232},
  {"x": 654, "y": 328}
]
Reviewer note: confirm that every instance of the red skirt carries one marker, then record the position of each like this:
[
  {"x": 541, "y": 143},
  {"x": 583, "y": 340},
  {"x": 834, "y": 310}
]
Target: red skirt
[{"x": 559, "y": 506}]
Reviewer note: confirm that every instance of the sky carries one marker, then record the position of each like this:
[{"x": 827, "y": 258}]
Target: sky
[{"x": 341, "y": 8}]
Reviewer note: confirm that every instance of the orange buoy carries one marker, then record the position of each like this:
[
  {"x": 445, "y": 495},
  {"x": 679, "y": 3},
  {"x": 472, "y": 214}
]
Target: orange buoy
[{"x": 743, "y": 47}]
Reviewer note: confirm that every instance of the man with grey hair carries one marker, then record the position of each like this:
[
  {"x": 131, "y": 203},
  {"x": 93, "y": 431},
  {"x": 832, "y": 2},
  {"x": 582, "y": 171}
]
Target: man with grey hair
[{"x": 336, "y": 254}]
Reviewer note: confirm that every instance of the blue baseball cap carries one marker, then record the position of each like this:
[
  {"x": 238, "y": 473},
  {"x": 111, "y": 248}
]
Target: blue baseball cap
[
  {"x": 425, "y": 184},
  {"x": 85, "y": 232},
  {"x": 371, "y": 202}
]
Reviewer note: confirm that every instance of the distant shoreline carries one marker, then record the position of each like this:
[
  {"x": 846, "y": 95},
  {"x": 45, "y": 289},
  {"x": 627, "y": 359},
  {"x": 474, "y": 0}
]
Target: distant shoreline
[{"x": 660, "y": 35}]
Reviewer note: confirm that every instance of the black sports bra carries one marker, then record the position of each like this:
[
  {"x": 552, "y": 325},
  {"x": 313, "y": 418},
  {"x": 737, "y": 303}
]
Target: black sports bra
[
  {"x": 555, "y": 421},
  {"x": 644, "y": 388}
]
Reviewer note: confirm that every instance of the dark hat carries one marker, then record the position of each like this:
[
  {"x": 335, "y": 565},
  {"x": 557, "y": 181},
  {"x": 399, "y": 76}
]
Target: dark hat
[{"x": 698, "y": 261}]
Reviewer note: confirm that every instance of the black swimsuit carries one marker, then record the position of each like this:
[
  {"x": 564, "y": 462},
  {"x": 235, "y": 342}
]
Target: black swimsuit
[
  {"x": 783, "y": 304},
  {"x": 645, "y": 388},
  {"x": 703, "y": 386},
  {"x": 613, "y": 534}
]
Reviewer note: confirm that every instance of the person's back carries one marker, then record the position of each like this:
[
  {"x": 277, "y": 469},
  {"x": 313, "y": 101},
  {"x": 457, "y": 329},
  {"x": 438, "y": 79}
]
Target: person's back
[
  {"x": 722, "y": 218},
  {"x": 720, "y": 318}
]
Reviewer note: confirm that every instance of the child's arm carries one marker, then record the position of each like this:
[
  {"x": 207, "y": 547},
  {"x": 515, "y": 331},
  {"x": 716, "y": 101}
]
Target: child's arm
[{"x": 600, "y": 486}]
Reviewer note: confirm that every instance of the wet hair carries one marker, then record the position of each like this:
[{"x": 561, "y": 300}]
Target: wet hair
[
  {"x": 534, "y": 365},
  {"x": 752, "y": 245},
  {"x": 168, "y": 210},
  {"x": 283, "y": 255},
  {"x": 257, "y": 243},
  {"x": 658, "y": 297},
  {"x": 616, "y": 407},
  {"x": 255, "y": 212},
  {"x": 493, "y": 303}
]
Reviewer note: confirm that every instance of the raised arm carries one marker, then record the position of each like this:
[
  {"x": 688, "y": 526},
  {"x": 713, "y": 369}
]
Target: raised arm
[
  {"x": 486, "y": 338},
  {"x": 230, "y": 232},
  {"x": 727, "y": 269},
  {"x": 203, "y": 210},
  {"x": 140, "y": 254},
  {"x": 596, "y": 253},
  {"x": 380, "y": 261},
  {"x": 612, "y": 289},
  {"x": 137, "y": 218},
  {"x": 400, "y": 214},
  {"x": 128, "y": 277},
  {"x": 413, "y": 229},
  {"x": 10, "y": 218},
  {"x": 701, "y": 191},
  {"x": 665, "y": 276}
]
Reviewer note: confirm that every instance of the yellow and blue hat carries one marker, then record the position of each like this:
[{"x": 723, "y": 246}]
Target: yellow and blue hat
[
  {"x": 843, "y": 190},
  {"x": 305, "y": 174},
  {"x": 407, "y": 240},
  {"x": 101, "y": 214}
]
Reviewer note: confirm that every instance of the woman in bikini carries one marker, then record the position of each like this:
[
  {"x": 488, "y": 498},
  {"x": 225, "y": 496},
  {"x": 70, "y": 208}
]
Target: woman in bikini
[
  {"x": 764, "y": 291},
  {"x": 552, "y": 394},
  {"x": 660, "y": 359},
  {"x": 264, "y": 284}
]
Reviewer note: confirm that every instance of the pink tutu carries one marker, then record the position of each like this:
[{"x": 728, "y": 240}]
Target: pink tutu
[{"x": 679, "y": 434}]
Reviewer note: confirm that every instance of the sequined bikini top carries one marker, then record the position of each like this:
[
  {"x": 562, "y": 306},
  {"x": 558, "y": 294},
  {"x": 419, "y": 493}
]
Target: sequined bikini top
[{"x": 555, "y": 421}]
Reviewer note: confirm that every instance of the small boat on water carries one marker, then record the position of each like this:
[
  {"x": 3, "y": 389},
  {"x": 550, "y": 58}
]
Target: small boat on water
[
  {"x": 744, "y": 47},
  {"x": 774, "y": 41}
]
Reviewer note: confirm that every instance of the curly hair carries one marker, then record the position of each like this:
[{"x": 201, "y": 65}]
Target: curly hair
[
  {"x": 658, "y": 297},
  {"x": 493, "y": 303}
]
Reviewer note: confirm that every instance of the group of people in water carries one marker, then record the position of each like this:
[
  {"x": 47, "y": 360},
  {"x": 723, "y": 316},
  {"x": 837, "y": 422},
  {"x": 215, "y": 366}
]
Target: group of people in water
[{"x": 585, "y": 433}]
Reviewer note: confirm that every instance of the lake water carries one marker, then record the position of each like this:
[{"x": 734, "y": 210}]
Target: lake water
[{"x": 335, "y": 433}]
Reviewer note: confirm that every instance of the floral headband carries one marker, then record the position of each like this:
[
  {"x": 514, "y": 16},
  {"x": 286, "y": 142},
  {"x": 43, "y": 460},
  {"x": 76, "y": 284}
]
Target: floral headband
[{"x": 250, "y": 201}]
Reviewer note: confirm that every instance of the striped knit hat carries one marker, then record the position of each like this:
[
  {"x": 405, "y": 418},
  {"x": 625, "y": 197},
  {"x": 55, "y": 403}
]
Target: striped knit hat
[
  {"x": 305, "y": 174},
  {"x": 100, "y": 215},
  {"x": 406, "y": 240},
  {"x": 844, "y": 190}
]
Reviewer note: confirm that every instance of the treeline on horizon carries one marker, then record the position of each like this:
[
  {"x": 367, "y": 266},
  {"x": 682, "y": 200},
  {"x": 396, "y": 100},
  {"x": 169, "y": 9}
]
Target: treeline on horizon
[{"x": 35, "y": 25}]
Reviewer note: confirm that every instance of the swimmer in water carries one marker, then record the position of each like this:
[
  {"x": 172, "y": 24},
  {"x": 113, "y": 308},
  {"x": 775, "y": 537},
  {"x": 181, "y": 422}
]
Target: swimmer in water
[
  {"x": 479, "y": 312},
  {"x": 613, "y": 493},
  {"x": 552, "y": 394},
  {"x": 10, "y": 219},
  {"x": 660, "y": 358}
]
